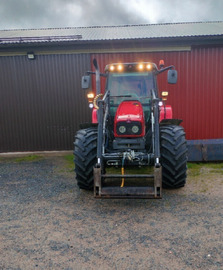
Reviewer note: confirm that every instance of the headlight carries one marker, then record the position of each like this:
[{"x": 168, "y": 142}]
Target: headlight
[
  {"x": 135, "y": 129},
  {"x": 122, "y": 129}
]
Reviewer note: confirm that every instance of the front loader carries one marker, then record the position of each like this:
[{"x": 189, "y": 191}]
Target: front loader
[{"x": 133, "y": 147}]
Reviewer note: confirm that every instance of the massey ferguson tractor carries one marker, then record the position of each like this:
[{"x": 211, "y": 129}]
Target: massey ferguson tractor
[{"x": 133, "y": 147}]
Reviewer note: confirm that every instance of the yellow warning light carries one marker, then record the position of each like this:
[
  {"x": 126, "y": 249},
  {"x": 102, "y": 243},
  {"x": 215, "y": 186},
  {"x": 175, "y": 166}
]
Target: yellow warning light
[
  {"x": 120, "y": 67},
  {"x": 141, "y": 66},
  {"x": 112, "y": 68},
  {"x": 164, "y": 95},
  {"x": 90, "y": 95},
  {"x": 149, "y": 66}
]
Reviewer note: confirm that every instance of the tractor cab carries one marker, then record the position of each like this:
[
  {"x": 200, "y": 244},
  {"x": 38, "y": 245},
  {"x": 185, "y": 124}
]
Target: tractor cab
[
  {"x": 127, "y": 83},
  {"x": 130, "y": 81}
]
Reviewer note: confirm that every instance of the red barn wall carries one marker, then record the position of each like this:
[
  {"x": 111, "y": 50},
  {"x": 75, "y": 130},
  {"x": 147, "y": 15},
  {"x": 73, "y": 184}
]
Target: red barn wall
[{"x": 197, "y": 97}]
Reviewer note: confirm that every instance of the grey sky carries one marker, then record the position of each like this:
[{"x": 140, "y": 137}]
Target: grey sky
[{"x": 23, "y": 14}]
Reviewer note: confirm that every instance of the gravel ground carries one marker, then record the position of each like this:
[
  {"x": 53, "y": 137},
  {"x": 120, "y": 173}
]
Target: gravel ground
[{"x": 46, "y": 222}]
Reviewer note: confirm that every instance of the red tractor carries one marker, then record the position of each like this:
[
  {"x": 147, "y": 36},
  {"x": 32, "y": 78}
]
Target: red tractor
[{"x": 131, "y": 128}]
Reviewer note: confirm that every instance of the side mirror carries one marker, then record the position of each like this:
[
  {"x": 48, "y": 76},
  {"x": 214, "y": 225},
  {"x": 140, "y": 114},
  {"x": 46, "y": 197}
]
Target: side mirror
[
  {"x": 85, "y": 82},
  {"x": 172, "y": 76}
]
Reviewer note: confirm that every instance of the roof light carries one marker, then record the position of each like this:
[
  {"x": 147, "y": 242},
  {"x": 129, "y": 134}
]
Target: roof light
[
  {"x": 112, "y": 68},
  {"x": 141, "y": 66},
  {"x": 149, "y": 66},
  {"x": 120, "y": 67}
]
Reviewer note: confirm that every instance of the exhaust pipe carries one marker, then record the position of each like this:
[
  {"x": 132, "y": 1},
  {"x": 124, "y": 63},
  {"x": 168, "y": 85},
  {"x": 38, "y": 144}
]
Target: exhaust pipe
[{"x": 97, "y": 73}]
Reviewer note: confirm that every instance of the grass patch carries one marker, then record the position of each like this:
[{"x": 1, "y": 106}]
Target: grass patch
[
  {"x": 194, "y": 165},
  {"x": 195, "y": 169},
  {"x": 69, "y": 162},
  {"x": 29, "y": 158},
  {"x": 215, "y": 167},
  {"x": 217, "y": 171}
]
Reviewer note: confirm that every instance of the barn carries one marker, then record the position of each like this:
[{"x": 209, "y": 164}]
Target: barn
[{"x": 42, "y": 103}]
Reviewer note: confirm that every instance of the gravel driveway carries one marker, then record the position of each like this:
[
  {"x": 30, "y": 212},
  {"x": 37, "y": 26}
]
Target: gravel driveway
[{"x": 46, "y": 222}]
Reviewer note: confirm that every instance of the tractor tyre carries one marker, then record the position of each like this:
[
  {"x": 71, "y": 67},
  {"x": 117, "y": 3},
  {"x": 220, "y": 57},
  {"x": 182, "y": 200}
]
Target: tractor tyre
[
  {"x": 85, "y": 153},
  {"x": 173, "y": 148}
]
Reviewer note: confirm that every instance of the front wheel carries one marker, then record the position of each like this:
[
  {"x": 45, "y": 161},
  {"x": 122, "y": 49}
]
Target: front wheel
[
  {"x": 173, "y": 148},
  {"x": 85, "y": 153}
]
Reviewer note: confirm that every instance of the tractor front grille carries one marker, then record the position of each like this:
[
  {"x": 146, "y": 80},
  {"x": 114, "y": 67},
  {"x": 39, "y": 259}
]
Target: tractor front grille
[{"x": 129, "y": 143}]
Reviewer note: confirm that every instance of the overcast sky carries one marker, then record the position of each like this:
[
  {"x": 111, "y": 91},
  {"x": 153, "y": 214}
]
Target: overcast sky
[{"x": 27, "y": 14}]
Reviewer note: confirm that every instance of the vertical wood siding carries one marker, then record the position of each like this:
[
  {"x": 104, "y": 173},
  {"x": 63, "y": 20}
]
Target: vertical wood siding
[{"x": 41, "y": 101}]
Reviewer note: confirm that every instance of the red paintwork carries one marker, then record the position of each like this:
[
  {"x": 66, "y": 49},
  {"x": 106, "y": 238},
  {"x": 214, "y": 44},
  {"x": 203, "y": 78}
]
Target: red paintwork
[
  {"x": 94, "y": 116},
  {"x": 197, "y": 97},
  {"x": 130, "y": 111},
  {"x": 166, "y": 112}
]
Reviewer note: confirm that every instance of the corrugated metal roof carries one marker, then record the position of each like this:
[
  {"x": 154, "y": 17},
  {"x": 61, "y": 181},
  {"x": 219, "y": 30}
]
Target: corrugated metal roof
[{"x": 100, "y": 33}]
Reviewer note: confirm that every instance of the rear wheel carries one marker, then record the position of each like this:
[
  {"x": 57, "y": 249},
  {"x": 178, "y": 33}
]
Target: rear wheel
[
  {"x": 173, "y": 156},
  {"x": 85, "y": 152}
]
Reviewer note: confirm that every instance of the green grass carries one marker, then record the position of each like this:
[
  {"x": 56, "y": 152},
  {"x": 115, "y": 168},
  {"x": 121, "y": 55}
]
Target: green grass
[
  {"x": 215, "y": 167},
  {"x": 69, "y": 162},
  {"x": 30, "y": 158},
  {"x": 194, "y": 165},
  {"x": 194, "y": 169}
]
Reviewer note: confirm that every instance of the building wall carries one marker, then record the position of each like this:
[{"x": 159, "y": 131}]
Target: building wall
[
  {"x": 197, "y": 97},
  {"x": 41, "y": 101}
]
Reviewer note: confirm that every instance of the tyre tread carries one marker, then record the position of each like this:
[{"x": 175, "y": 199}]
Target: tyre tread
[
  {"x": 85, "y": 150},
  {"x": 173, "y": 156}
]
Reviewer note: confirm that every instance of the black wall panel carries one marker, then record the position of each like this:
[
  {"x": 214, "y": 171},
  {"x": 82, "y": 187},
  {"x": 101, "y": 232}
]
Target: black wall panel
[{"x": 41, "y": 101}]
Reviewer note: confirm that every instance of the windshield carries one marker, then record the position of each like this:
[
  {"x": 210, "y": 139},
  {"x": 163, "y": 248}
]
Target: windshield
[{"x": 130, "y": 85}]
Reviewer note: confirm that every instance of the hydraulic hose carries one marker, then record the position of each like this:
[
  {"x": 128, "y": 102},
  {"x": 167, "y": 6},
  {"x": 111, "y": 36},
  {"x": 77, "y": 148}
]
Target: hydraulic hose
[{"x": 123, "y": 172}]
